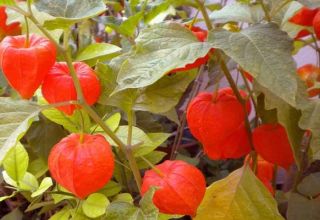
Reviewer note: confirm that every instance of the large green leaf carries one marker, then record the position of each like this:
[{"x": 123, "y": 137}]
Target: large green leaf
[
  {"x": 264, "y": 51},
  {"x": 16, "y": 162},
  {"x": 240, "y": 196},
  {"x": 310, "y": 121},
  {"x": 160, "y": 97},
  {"x": 42, "y": 17},
  {"x": 302, "y": 208},
  {"x": 238, "y": 12},
  {"x": 69, "y": 12},
  {"x": 43, "y": 135},
  {"x": 71, "y": 123},
  {"x": 160, "y": 49},
  {"x": 15, "y": 119}
]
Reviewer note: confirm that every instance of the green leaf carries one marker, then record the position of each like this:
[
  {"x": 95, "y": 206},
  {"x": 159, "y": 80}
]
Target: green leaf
[
  {"x": 15, "y": 119},
  {"x": 160, "y": 49},
  {"x": 107, "y": 78},
  {"x": 147, "y": 208},
  {"x": 165, "y": 94},
  {"x": 159, "y": 12},
  {"x": 41, "y": 17},
  {"x": 68, "y": 13},
  {"x": 121, "y": 210},
  {"x": 8, "y": 180},
  {"x": 239, "y": 196},
  {"x": 29, "y": 183},
  {"x": 71, "y": 123},
  {"x": 98, "y": 51},
  {"x": 123, "y": 197},
  {"x": 112, "y": 122},
  {"x": 125, "y": 27},
  {"x": 161, "y": 97},
  {"x": 7, "y": 2},
  {"x": 125, "y": 210},
  {"x": 111, "y": 189},
  {"x": 154, "y": 157},
  {"x": 310, "y": 185},
  {"x": 146, "y": 142},
  {"x": 264, "y": 51},
  {"x": 238, "y": 12},
  {"x": 16, "y": 162},
  {"x": 138, "y": 136},
  {"x": 301, "y": 208},
  {"x": 287, "y": 116},
  {"x": 95, "y": 205},
  {"x": 45, "y": 184},
  {"x": 310, "y": 3},
  {"x": 310, "y": 121},
  {"x": 60, "y": 197},
  {"x": 63, "y": 214},
  {"x": 38, "y": 167},
  {"x": 43, "y": 135},
  {"x": 147, "y": 147}
]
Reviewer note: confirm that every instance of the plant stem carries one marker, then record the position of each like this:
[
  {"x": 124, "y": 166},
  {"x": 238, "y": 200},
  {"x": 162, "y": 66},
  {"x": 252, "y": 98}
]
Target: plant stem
[
  {"x": 152, "y": 166},
  {"x": 205, "y": 15},
  {"x": 27, "y": 43},
  {"x": 81, "y": 100},
  {"x": 179, "y": 135},
  {"x": 304, "y": 151},
  {"x": 242, "y": 101},
  {"x": 266, "y": 12},
  {"x": 129, "y": 153}
]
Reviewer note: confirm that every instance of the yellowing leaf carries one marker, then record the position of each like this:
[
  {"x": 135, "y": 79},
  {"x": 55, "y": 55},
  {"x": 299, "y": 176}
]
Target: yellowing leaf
[{"x": 240, "y": 196}]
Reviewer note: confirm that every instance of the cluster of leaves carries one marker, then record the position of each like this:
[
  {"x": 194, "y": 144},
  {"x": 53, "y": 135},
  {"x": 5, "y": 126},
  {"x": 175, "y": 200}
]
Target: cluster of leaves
[{"x": 133, "y": 48}]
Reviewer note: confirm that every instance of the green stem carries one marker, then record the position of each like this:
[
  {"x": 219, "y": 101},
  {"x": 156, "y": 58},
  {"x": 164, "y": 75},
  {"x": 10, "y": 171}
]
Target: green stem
[
  {"x": 266, "y": 12},
  {"x": 152, "y": 166},
  {"x": 129, "y": 153},
  {"x": 205, "y": 15},
  {"x": 255, "y": 105},
  {"x": 179, "y": 135},
  {"x": 235, "y": 89},
  {"x": 27, "y": 42}
]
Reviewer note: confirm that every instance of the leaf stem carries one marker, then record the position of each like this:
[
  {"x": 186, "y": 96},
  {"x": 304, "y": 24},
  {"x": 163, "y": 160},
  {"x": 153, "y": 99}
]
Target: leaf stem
[
  {"x": 27, "y": 42},
  {"x": 205, "y": 15},
  {"x": 266, "y": 12},
  {"x": 129, "y": 153},
  {"x": 152, "y": 166},
  {"x": 235, "y": 89}
]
